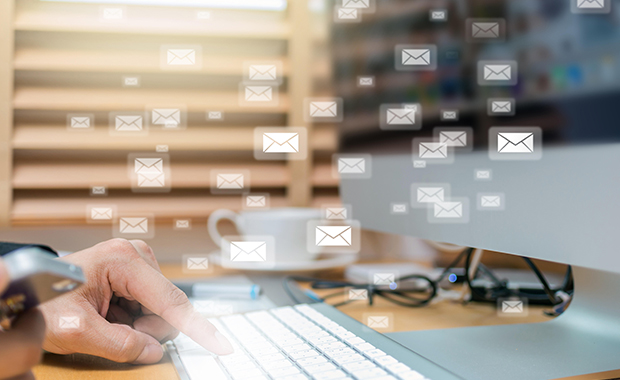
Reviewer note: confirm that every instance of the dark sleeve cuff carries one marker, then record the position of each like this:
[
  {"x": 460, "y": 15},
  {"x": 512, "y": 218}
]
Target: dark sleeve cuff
[{"x": 10, "y": 247}]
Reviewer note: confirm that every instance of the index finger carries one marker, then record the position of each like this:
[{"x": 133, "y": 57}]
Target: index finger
[
  {"x": 149, "y": 287},
  {"x": 4, "y": 276}
]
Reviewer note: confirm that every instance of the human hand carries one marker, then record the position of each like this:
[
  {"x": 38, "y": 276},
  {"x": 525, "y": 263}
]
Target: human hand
[
  {"x": 20, "y": 346},
  {"x": 125, "y": 309}
]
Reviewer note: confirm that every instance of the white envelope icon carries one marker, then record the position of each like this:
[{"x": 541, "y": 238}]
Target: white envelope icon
[
  {"x": 431, "y": 194},
  {"x": 339, "y": 213},
  {"x": 215, "y": 115},
  {"x": 591, "y": 4},
  {"x": 449, "y": 115},
  {"x": 149, "y": 165},
  {"x": 438, "y": 15},
  {"x": 352, "y": 165},
  {"x": 248, "y": 251},
  {"x": 203, "y": 15},
  {"x": 255, "y": 201},
  {"x": 448, "y": 210},
  {"x": 401, "y": 116},
  {"x": 416, "y": 57},
  {"x": 323, "y": 109},
  {"x": 101, "y": 213},
  {"x": 197, "y": 263},
  {"x": 399, "y": 208},
  {"x": 379, "y": 322},
  {"x": 128, "y": 123},
  {"x": 258, "y": 93},
  {"x": 517, "y": 142},
  {"x": 99, "y": 190},
  {"x": 230, "y": 181},
  {"x": 485, "y": 29},
  {"x": 80, "y": 122},
  {"x": 347, "y": 14},
  {"x": 366, "y": 81},
  {"x": 483, "y": 174},
  {"x": 166, "y": 116},
  {"x": 501, "y": 106},
  {"x": 490, "y": 201},
  {"x": 182, "y": 223},
  {"x": 333, "y": 236},
  {"x": 512, "y": 307},
  {"x": 151, "y": 179},
  {"x": 419, "y": 164},
  {"x": 453, "y": 138},
  {"x": 131, "y": 81},
  {"x": 433, "y": 150},
  {"x": 113, "y": 13},
  {"x": 181, "y": 57},
  {"x": 263, "y": 72},
  {"x": 383, "y": 278},
  {"x": 280, "y": 142},
  {"x": 355, "y": 3},
  {"x": 134, "y": 225},
  {"x": 69, "y": 323},
  {"x": 358, "y": 294},
  {"x": 161, "y": 148},
  {"x": 498, "y": 72}
]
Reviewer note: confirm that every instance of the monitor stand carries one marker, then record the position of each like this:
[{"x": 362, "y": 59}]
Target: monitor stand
[{"x": 584, "y": 339}]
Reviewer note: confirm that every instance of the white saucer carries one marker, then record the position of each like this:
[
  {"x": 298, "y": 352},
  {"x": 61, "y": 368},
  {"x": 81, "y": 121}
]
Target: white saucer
[{"x": 323, "y": 262}]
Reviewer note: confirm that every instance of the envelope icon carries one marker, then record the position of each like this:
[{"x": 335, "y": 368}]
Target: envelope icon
[
  {"x": 230, "y": 181},
  {"x": 182, "y": 223},
  {"x": 203, "y": 15},
  {"x": 263, "y": 72},
  {"x": 416, "y": 57},
  {"x": 258, "y": 93},
  {"x": 281, "y": 142},
  {"x": 485, "y": 30},
  {"x": 255, "y": 201},
  {"x": 512, "y": 307},
  {"x": 355, "y": 3},
  {"x": 501, "y": 106},
  {"x": 383, "y": 278},
  {"x": 433, "y": 150},
  {"x": 339, "y": 213},
  {"x": 490, "y": 201},
  {"x": 161, "y": 148},
  {"x": 498, "y": 72},
  {"x": 358, "y": 294},
  {"x": 438, "y": 15},
  {"x": 248, "y": 251},
  {"x": 128, "y": 123},
  {"x": 197, "y": 263},
  {"x": 333, "y": 236},
  {"x": 347, "y": 14},
  {"x": 113, "y": 13},
  {"x": 483, "y": 174},
  {"x": 98, "y": 190},
  {"x": 352, "y": 165},
  {"x": 101, "y": 213},
  {"x": 591, "y": 4},
  {"x": 215, "y": 115},
  {"x": 453, "y": 138},
  {"x": 80, "y": 122},
  {"x": 166, "y": 116},
  {"x": 69, "y": 323},
  {"x": 399, "y": 208},
  {"x": 419, "y": 164},
  {"x": 431, "y": 194},
  {"x": 449, "y": 115},
  {"x": 181, "y": 57},
  {"x": 401, "y": 116},
  {"x": 517, "y": 142},
  {"x": 379, "y": 322},
  {"x": 131, "y": 81},
  {"x": 323, "y": 109},
  {"x": 149, "y": 165},
  {"x": 448, "y": 210},
  {"x": 366, "y": 81},
  {"x": 134, "y": 225}
]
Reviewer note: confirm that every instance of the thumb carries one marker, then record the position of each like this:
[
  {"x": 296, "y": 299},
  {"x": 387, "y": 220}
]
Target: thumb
[{"x": 4, "y": 276}]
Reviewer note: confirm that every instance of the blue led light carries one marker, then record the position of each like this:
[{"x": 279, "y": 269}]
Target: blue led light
[
  {"x": 452, "y": 277},
  {"x": 393, "y": 285}
]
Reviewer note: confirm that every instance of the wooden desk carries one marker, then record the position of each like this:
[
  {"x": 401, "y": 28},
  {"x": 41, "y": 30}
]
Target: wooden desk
[{"x": 441, "y": 315}]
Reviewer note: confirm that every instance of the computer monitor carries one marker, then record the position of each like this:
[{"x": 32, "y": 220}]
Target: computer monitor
[{"x": 558, "y": 206}]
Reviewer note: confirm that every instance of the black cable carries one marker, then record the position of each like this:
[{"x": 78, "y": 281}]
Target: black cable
[{"x": 543, "y": 281}]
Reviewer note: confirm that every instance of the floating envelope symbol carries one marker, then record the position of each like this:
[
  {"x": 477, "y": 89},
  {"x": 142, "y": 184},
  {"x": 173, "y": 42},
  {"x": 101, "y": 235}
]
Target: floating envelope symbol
[
  {"x": 483, "y": 174},
  {"x": 497, "y": 72},
  {"x": 399, "y": 208},
  {"x": 383, "y": 278},
  {"x": 263, "y": 72},
  {"x": 366, "y": 81},
  {"x": 128, "y": 123},
  {"x": 347, "y": 14},
  {"x": 433, "y": 150},
  {"x": 248, "y": 251},
  {"x": 113, "y": 13},
  {"x": 485, "y": 29},
  {"x": 151, "y": 179},
  {"x": 80, "y": 122},
  {"x": 166, "y": 116},
  {"x": 255, "y": 201},
  {"x": 430, "y": 194},
  {"x": 512, "y": 307},
  {"x": 339, "y": 213},
  {"x": 131, "y": 81},
  {"x": 161, "y": 148},
  {"x": 215, "y": 115},
  {"x": 419, "y": 164},
  {"x": 517, "y": 142},
  {"x": 69, "y": 323},
  {"x": 230, "y": 181},
  {"x": 99, "y": 190},
  {"x": 448, "y": 210},
  {"x": 181, "y": 57},
  {"x": 501, "y": 106},
  {"x": 358, "y": 294},
  {"x": 197, "y": 263},
  {"x": 453, "y": 138},
  {"x": 323, "y": 109},
  {"x": 333, "y": 236},
  {"x": 438, "y": 15},
  {"x": 352, "y": 165},
  {"x": 281, "y": 142},
  {"x": 591, "y": 4},
  {"x": 356, "y": 4},
  {"x": 416, "y": 57},
  {"x": 449, "y": 115},
  {"x": 182, "y": 223},
  {"x": 134, "y": 225},
  {"x": 101, "y": 213},
  {"x": 258, "y": 93},
  {"x": 203, "y": 15},
  {"x": 490, "y": 201},
  {"x": 378, "y": 322},
  {"x": 401, "y": 116},
  {"x": 149, "y": 165}
]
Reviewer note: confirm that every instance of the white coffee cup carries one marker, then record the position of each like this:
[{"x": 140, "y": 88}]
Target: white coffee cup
[{"x": 288, "y": 226}]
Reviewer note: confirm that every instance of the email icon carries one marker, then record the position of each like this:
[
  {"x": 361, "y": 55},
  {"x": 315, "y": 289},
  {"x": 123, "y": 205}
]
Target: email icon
[
  {"x": 351, "y": 165},
  {"x": 69, "y": 323},
  {"x": 360, "y": 4},
  {"x": 166, "y": 116},
  {"x": 448, "y": 210},
  {"x": 263, "y": 72},
  {"x": 490, "y": 201},
  {"x": 232, "y": 181},
  {"x": 486, "y": 30},
  {"x": 418, "y": 164},
  {"x": 203, "y": 15},
  {"x": 197, "y": 263},
  {"x": 366, "y": 81},
  {"x": 134, "y": 225},
  {"x": 400, "y": 116},
  {"x": 378, "y": 322},
  {"x": 128, "y": 123},
  {"x": 161, "y": 148},
  {"x": 453, "y": 138},
  {"x": 358, "y": 294},
  {"x": 483, "y": 174},
  {"x": 215, "y": 115},
  {"x": 383, "y": 278},
  {"x": 333, "y": 236},
  {"x": 181, "y": 57},
  {"x": 248, "y": 251},
  {"x": 101, "y": 213},
  {"x": 501, "y": 107},
  {"x": 347, "y": 14},
  {"x": 182, "y": 224},
  {"x": 431, "y": 194},
  {"x": 497, "y": 73},
  {"x": 515, "y": 142},
  {"x": 113, "y": 13},
  {"x": 256, "y": 201},
  {"x": 131, "y": 81},
  {"x": 399, "y": 208},
  {"x": 337, "y": 213},
  {"x": 439, "y": 15},
  {"x": 449, "y": 115},
  {"x": 281, "y": 142},
  {"x": 259, "y": 93},
  {"x": 512, "y": 306},
  {"x": 323, "y": 109},
  {"x": 98, "y": 190},
  {"x": 80, "y": 122},
  {"x": 433, "y": 150},
  {"x": 416, "y": 57},
  {"x": 149, "y": 165},
  {"x": 591, "y": 4}
]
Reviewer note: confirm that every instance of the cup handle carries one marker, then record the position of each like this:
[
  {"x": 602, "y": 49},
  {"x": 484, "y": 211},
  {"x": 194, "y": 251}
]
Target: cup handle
[{"x": 215, "y": 217}]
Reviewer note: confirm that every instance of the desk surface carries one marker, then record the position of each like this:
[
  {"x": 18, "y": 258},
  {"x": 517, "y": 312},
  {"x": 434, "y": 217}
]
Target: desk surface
[{"x": 441, "y": 315}]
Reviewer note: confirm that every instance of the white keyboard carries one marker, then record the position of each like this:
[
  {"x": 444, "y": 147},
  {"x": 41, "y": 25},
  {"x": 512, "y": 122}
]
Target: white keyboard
[{"x": 290, "y": 343}]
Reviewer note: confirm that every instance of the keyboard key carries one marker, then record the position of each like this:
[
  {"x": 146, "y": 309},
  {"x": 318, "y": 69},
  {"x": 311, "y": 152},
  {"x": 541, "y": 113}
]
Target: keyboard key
[
  {"x": 276, "y": 364},
  {"x": 269, "y": 358},
  {"x": 397, "y": 368},
  {"x": 356, "y": 366},
  {"x": 411, "y": 375},
  {"x": 374, "y": 353},
  {"x": 284, "y": 371},
  {"x": 304, "y": 354},
  {"x": 385, "y": 360},
  {"x": 330, "y": 375},
  {"x": 369, "y": 373},
  {"x": 318, "y": 368},
  {"x": 364, "y": 347},
  {"x": 349, "y": 359},
  {"x": 311, "y": 361},
  {"x": 297, "y": 347},
  {"x": 299, "y": 376}
]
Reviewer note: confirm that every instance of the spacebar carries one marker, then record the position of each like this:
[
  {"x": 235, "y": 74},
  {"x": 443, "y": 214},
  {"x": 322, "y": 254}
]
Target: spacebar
[{"x": 199, "y": 366}]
